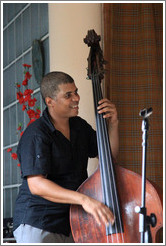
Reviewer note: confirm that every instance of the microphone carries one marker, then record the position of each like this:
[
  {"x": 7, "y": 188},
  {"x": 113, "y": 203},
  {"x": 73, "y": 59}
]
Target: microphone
[{"x": 146, "y": 112}]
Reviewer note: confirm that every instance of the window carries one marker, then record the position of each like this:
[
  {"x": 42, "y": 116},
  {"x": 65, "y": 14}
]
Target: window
[{"x": 22, "y": 23}]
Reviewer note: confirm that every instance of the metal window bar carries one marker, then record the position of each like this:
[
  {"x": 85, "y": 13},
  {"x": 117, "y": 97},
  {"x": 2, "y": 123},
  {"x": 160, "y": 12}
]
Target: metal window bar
[
  {"x": 21, "y": 11},
  {"x": 24, "y": 53}
]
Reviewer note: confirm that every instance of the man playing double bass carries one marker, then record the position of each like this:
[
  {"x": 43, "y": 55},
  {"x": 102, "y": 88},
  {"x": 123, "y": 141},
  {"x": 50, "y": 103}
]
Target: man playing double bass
[{"x": 53, "y": 153}]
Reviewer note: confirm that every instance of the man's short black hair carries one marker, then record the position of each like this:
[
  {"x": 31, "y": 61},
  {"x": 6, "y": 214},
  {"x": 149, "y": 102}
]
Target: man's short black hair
[{"x": 51, "y": 81}]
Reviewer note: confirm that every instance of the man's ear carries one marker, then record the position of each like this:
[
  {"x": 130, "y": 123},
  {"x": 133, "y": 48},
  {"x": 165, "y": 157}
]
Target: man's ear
[{"x": 49, "y": 101}]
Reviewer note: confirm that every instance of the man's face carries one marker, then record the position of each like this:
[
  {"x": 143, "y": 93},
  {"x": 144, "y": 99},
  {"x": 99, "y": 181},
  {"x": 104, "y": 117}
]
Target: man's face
[{"x": 66, "y": 101}]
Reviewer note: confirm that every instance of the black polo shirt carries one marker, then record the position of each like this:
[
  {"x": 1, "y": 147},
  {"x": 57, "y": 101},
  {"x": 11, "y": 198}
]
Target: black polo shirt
[{"x": 44, "y": 150}]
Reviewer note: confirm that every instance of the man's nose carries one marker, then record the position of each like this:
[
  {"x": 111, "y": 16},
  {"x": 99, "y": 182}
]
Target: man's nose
[{"x": 75, "y": 97}]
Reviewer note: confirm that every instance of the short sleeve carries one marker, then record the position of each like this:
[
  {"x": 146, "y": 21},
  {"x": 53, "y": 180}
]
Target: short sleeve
[{"x": 34, "y": 156}]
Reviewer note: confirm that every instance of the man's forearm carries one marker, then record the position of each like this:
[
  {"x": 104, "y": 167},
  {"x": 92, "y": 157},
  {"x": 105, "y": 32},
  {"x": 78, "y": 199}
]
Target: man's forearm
[
  {"x": 49, "y": 190},
  {"x": 41, "y": 186}
]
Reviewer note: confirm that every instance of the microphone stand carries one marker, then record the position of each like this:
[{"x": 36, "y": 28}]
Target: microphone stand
[{"x": 144, "y": 220}]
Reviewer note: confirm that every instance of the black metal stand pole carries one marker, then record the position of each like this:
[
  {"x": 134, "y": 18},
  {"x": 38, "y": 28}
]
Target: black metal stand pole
[
  {"x": 142, "y": 215},
  {"x": 144, "y": 220}
]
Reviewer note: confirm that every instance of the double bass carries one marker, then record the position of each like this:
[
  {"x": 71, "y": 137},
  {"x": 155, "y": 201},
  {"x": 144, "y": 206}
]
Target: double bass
[{"x": 111, "y": 184}]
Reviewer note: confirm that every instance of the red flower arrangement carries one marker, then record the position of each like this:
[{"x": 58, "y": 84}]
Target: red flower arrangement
[{"x": 25, "y": 99}]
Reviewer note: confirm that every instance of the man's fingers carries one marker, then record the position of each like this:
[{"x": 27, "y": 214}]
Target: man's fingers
[{"x": 105, "y": 215}]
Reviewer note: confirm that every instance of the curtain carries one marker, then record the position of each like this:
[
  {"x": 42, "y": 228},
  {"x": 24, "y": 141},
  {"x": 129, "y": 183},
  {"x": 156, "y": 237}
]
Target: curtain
[{"x": 133, "y": 36}]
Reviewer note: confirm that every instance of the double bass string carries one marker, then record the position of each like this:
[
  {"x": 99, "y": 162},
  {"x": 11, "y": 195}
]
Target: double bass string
[
  {"x": 103, "y": 155},
  {"x": 102, "y": 138},
  {"x": 99, "y": 137},
  {"x": 99, "y": 119},
  {"x": 108, "y": 163},
  {"x": 105, "y": 145}
]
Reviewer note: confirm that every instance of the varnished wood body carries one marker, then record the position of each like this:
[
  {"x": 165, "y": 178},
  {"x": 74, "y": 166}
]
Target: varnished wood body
[{"x": 86, "y": 230}]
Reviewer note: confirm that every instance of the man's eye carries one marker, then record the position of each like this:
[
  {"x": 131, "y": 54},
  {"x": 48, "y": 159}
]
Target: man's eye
[{"x": 67, "y": 95}]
